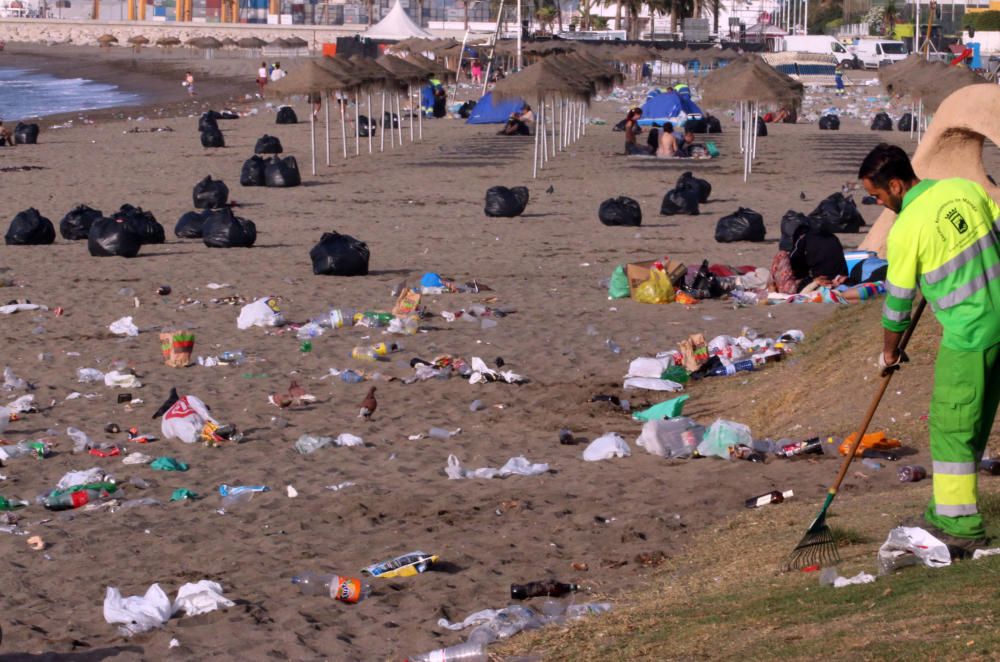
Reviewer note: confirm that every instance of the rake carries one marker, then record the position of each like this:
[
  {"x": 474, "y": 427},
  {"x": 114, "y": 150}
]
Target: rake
[{"x": 818, "y": 547}]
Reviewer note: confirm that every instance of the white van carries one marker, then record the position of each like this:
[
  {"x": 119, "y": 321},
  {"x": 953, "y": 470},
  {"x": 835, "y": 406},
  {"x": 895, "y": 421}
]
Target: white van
[
  {"x": 874, "y": 52},
  {"x": 817, "y": 43}
]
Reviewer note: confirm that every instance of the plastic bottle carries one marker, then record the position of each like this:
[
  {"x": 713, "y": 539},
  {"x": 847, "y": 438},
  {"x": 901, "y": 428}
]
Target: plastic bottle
[
  {"x": 612, "y": 346},
  {"x": 911, "y": 473},
  {"x": 467, "y": 652},
  {"x": 338, "y": 587},
  {"x": 306, "y": 346},
  {"x": 439, "y": 433},
  {"x": 78, "y": 495},
  {"x": 235, "y": 357},
  {"x": 351, "y": 377},
  {"x": 364, "y": 354},
  {"x": 548, "y": 587},
  {"x": 11, "y": 504},
  {"x": 871, "y": 464}
]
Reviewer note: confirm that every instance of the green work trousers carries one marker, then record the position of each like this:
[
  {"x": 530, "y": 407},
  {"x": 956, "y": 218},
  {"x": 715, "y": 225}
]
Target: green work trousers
[{"x": 963, "y": 405}]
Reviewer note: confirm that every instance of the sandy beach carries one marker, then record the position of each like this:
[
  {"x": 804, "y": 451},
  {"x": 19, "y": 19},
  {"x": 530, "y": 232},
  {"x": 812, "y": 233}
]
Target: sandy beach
[{"x": 420, "y": 209}]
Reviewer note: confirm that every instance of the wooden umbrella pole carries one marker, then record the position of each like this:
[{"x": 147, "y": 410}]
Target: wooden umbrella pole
[
  {"x": 756, "y": 114},
  {"x": 534, "y": 159},
  {"x": 370, "y": 124},
  {"x": 327, "y": 120},
  {"x": 312, "y": 139},
  {"x": 357, "y": 125},
  {"x": 381, "y": 124},
  {"x": 343, "y": 121},
  {"x": 409, "y": 101}
]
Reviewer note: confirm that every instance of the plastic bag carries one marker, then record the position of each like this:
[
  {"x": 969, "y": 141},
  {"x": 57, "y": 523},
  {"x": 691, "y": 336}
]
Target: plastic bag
[
  {"x": 189, "y": 226},
  {"x": 113, "y": 237},
  {"x": 620, "y": 211},
  {"x": 365, "y": 127},
  {"x": 680, "y": 201},
  {"x": 224, "y": 230},
  {"x": 76, "y": 224},
  {"x": 618, "y": 287},
  {"x": 286, "y": 115},
  {"x": 790, "y": 223},
  {"x": 882, "y": 122},
  {"x": 29, "y": 228},
  {"x": 124, "y": 327},
  {"x": 137, "y": 613},
  {"x": 655, "y": 289},
  {"x": 210, "y": 194},
  {"x": 905, "y": 122},
  {"x": 837, "y": 213},
  {"x": 25, "y": 134},
  {"x": 721, "y": 436},
  {"x": 908, "y": 545},
  {"x": 252, "y": 173},
  {"x": 200, "y": 598},
  {"x": 340, "y": 255},
  {"x": 676, "y": 437},
  {"x": 829, "y": 123},
  {"x": 506, "y": 202},
  {"x": 605, "y": 447},
  {"x": 713, "y": 125},
  {"x": 267, "y": 145},
  {"x": 282, "y": 173},
  {"x": 262, "y": 312},
  {"x": 743, "y": 225},
  {"x": 687, "y": 181},
  {"x": 185, "y": 419},
  {"x": 212, "y": 137},
  {"x": 142, "y": 223},
  {"x": 519, "y": 466}
]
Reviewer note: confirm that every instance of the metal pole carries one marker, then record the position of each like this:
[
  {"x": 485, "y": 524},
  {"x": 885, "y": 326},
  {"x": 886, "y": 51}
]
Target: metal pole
[
  {"x": 409, "y": 101},
  {"x": 312, "y": 139},
  {"x": 420, "y": 112},
  {"x": 399, "y": 120},
  {"x": 805, "y": 21},
  {"x": 327, "y": 118},
  {"x": 370, "y": 124},
  {"x": 545, "y": 148},
  {"x": 552, "y": 106},
  {"x": 520, "y": 29},
  {"x": 342, "y": 102},
  {"x": 357, "y": 124},
  {"x": 493, "y": 49},
  {"x": 381, "y": 124},
  {"x": 534, "y": 160}
]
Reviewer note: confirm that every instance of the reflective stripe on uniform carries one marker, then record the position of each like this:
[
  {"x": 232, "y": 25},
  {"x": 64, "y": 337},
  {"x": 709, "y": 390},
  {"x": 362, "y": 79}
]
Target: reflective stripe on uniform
[
  {"x": 895, "y": 315},
  {"x": 963, "y": 292},
  {"x": 900, "y": 292},
  {"x": 954, "y": 468},
  {"x": 988, "y": 240},
  {"x": 956, "y": 511}
]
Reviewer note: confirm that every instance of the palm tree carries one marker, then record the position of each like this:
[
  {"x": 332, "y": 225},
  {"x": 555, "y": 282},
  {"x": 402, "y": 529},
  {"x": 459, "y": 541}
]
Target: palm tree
[
  {"x": 889, "y": 17},
  {"x": 545, "y": 16}
]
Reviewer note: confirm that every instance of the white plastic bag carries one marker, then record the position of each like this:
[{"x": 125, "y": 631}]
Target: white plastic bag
[
  {"x": 519, "y": 466},
  {"x": 124, "y": 327},
  {"x": 650, "y": 384},
  {"x": 137, "y": 613},
  {"x": 909, "y": 545},
  {"x": 200, "y": 598},
  {"x": 89, "y": 375},
  {"x": 666, "y": 438},
  {"x": 81, "y": 441},
  {"x": 72, "y": 478},
  {"x": 185, "y": 419},
  {"x": 262, "y": 312},
  {"x": 121, "y": 380},
  {"x": 648, "y": 366},
  {"x": 348, "y": 439},
  {"x": 606, "y": 447},
  {"x": 12, "y": 382}
]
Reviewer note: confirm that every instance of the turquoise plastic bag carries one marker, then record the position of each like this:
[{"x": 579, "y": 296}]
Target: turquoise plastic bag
[{"x": 618, "y": 287}]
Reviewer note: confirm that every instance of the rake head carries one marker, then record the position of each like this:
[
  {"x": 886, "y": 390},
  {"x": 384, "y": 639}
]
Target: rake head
[{"x": 817, "y": 548}]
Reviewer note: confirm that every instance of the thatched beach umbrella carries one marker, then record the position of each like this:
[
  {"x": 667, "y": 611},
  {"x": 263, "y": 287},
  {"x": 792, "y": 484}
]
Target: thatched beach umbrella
[
  {"x": 168, "y": 42},
  {"x": 207, "y": 44},
  {"x": 280, "y": 42},
  {"x": 410, "y": 74},
  {"x": 384, "y": 81},
  {"x": 362, "y": 79},
  {"x": 105, "y": 40},
  {"x": 308, "y": 78},
  {"x": 138, "y": 40},
  {"x": 543, "y": 80},
  {"x": 229, "y": 42},
  {"x": 251, "y": 43},
  {"x": 296, "y": 42},
  {"x": 748, "y": 82}
]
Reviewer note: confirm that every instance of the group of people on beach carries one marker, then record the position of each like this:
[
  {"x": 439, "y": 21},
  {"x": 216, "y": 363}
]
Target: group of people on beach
[
  {"x": 265, "y": 73},
  {"x": 663, "y": 140}
]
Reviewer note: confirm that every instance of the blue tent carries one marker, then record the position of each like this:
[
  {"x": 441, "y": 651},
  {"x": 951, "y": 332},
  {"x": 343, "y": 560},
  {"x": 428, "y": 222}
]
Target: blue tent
[
  {"x": 666, "y": 106},
  {"x": 488, "y": 111}
]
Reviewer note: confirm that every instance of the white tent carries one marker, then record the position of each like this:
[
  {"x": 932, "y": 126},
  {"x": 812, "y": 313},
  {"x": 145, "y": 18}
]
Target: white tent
[{"x": 396, "y": 25}]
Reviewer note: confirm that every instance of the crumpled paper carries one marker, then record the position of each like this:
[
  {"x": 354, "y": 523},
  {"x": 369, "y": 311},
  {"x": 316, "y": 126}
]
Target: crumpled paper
[
  {"x": 124, "y": 327},
  {"x": 482, "y": 374},
  {"x": 519, "y": 466},
  {"x": 200, "y": 598}
]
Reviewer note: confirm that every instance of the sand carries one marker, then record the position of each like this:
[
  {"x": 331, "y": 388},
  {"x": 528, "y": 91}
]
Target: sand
[{"x": 419, "y": 209}]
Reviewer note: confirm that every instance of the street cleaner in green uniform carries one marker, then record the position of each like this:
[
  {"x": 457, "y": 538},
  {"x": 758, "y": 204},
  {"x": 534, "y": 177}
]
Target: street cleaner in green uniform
[{"x": 946, "y": 242}]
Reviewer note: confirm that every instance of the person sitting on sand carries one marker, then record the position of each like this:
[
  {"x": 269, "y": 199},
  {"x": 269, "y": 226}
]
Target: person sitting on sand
[
  {"x": 632, "y": 129},
  {"x": 668, "y": 142},
  {"x": 689, "y": 148},
  {"x": 808, "y": 259},
  {"x": 6, "y": 136},
  {"x": 515, "y": 126},
  {"x": 527, "y": 114}
]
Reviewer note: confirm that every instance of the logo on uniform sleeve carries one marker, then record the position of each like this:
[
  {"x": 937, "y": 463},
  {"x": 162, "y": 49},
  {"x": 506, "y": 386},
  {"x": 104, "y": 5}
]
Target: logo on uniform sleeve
[{"x": 958, "y": 221}]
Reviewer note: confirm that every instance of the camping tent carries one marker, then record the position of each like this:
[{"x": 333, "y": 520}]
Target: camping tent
[
  {"x": 668, "y": 106},
  {"x": 488, "y": 111},
  {"x": 396, "y": 25}
]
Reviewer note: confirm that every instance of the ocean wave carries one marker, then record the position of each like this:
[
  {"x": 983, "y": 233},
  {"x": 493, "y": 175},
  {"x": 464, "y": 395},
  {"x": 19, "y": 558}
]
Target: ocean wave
[{"x": 25, "y": 94}]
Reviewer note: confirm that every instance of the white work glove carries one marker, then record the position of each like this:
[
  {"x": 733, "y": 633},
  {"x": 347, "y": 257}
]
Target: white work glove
[{"x": 885, "y": 368}]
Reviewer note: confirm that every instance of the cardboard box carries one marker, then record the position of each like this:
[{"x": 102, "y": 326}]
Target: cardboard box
[{"x": 638, "y": 272}]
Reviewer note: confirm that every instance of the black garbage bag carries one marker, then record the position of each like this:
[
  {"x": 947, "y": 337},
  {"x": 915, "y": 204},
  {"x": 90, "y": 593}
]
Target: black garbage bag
[
  {"x": 743, "y": 225},
  {"x": 700, "y": 186},
  {"x": 339, "y": 255},
  {"x": 696, "y": 125},
  {"x": 364, "y": 127},
  {"x": 286, "y": 115},
  {"x": 761, "y": 127},
  {"x": 713, "y": 125},
  {"x": 25, "y": 134},
  {"x": 222, "y": 229},
  {"x": 790, "y": 224},
  {"x": 189, "y": 226},
  {"x": 506, "y": 202},
  {"x": 142, "y": 223},
  {"x": 29, "y": 228},
  {"x": 680, "y": 201},
  {"x": 837, "y": 213},
  {"x": 465, "y": 110},
  {"x": 252, "y": 173},
  {"x": 76, "y": 224},
  {"x": 210, "y": 194},
  {"x": 267, "y": 145},
  {"x": 227, "y": 115},
  {"x": 620, "y": 211},
  {"x": 207, "y": 122},
  {"x": 905, "y": 122},
  {"x": 829, "y": 123},
  {"x": 882, "y": 122},
  {"x": 704, "y": 284},
  {"x": 282, "y": 172},
  {"x": 212, "y": 138},
  {"x": 113, "y": 237},
  {"x": 391, "y": 120}
]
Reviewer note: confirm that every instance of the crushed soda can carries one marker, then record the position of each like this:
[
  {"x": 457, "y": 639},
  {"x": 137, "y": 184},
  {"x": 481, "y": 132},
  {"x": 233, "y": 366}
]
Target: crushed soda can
[{"x": 406, "y": 565}]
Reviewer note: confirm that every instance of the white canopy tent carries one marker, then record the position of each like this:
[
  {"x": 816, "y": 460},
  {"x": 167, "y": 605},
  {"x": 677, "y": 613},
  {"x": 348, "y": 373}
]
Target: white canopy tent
[{"x": 397, "y": 24}]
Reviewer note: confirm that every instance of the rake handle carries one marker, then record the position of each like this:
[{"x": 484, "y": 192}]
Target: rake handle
[{"x": 873, "y": 407}]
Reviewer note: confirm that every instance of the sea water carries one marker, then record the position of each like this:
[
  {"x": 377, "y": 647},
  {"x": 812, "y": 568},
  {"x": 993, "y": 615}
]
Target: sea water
[{"x": 25, "y": 93}]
